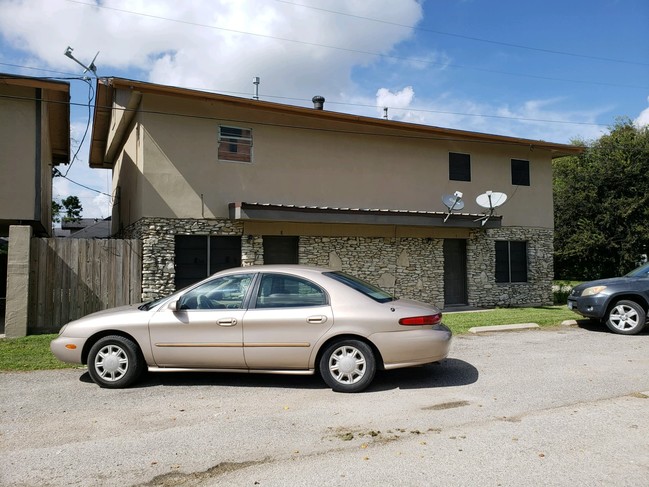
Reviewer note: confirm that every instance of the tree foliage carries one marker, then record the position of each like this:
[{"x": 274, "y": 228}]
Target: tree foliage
[
  {"x": 601, "y": 205},
  {"x": 70, "y": 207}
]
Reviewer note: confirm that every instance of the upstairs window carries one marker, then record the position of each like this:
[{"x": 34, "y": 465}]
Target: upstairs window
[
  {"x": 459, "y": 167},
  {"x": 235, "y": 144},
  {"x": 511, "y": 261},
  {"x": 520, "y": 172}
]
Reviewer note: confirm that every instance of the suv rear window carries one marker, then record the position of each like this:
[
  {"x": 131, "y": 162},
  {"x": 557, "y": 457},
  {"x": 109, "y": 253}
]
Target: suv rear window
[{"x": 369, "y": 290}]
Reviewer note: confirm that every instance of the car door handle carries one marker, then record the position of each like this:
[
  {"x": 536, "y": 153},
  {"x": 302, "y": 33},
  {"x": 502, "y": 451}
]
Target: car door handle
[
  {"x": 227, "y": 322},
  {"x": 316, "y": 319}
]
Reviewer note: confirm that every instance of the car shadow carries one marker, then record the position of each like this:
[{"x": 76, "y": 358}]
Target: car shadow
[{"x": 447, "y": 373}]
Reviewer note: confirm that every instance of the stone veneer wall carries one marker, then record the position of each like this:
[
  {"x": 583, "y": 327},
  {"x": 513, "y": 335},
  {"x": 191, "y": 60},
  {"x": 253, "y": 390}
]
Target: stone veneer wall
[
  {"x": 410, "y": 268},
  {"x": 481, "y": 268}
]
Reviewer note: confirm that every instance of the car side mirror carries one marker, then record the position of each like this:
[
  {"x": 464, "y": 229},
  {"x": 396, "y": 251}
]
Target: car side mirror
[{"x": 173, "y": 306}]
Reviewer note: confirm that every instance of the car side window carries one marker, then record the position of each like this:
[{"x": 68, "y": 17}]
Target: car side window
[
  {"x": 227, "y": 292},
  {"x": 282, "y": 291}
]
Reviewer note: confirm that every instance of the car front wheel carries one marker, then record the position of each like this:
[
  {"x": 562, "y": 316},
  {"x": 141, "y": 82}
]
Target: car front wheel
[
  {"x": 348, "y": 366},
  {"x": 626, "y": 317},
  {"x": 115, "y": 362}
]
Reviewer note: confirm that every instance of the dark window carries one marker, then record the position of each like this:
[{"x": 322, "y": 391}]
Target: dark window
[
  {"x": 282, "y": 291},
  {"x": 280, "y": 250},
  {"x": 459, "y": 167},
  {"x": 520, "y": 172},
  {"x": 235, "y": 144},
  {"x": 511, "y": 261},
  {"x": 199, "y": 256}
]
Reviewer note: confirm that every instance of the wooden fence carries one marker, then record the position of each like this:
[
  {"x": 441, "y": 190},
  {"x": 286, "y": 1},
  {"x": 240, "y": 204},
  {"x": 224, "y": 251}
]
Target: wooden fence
[{"x": 70, "y": 278}]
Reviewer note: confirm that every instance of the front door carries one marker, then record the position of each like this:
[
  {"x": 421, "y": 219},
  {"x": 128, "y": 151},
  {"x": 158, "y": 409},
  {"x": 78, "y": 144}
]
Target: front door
[{"x": 455, "y": 289}]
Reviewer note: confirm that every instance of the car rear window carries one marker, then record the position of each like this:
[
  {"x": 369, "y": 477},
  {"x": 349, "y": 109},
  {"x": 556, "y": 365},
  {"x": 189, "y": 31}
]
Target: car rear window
[{"x": 369, "y": 290}]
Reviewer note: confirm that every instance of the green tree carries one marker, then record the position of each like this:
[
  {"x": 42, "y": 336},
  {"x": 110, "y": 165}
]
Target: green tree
[
  {"x": 57, "y": 208},
  {"x": 601, "y": 205},
  {"x": 70, "y": 207}
]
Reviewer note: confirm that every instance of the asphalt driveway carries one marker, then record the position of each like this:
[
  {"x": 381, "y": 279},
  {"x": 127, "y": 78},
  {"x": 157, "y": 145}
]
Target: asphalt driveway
[{"x": 565, "y": 406}]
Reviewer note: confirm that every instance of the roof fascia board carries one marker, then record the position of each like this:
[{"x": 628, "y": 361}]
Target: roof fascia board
[{"x": 116, "y": 134}]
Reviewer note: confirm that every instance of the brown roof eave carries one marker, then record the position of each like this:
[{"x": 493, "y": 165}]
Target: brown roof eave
[
  {"x": 101, "y": 126},
  {"x": 556, "y": 149}
]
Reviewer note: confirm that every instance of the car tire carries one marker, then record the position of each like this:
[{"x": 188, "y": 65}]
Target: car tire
[
  {"x": 626, "y": 317},
  {"x": 348, "y": 366},
  {"x": 115, "y": 362}
]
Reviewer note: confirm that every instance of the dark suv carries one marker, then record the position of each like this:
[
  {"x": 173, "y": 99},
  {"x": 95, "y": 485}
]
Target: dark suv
[{"x": 620, "y": 302}]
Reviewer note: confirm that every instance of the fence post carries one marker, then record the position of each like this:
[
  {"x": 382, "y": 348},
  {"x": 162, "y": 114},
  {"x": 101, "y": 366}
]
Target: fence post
[{"x": 17, "y": 314}]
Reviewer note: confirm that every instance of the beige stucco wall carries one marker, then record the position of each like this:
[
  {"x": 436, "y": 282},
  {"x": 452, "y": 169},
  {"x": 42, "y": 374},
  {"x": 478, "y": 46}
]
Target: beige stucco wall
[
  {"x": 17, "y": 154},
  {"x": 321, "y": 167}
]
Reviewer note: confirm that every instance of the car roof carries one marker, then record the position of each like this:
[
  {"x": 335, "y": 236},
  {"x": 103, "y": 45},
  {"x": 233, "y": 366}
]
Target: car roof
[{"x": 288, "y": 268}]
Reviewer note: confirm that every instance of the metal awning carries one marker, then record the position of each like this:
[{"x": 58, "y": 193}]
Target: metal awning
[{"x": 358, "y": 216}]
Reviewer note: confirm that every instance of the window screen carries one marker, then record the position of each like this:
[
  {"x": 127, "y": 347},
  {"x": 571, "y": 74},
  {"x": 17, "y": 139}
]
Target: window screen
[
  {"x": 459, "y": 167},
  {"x": 511, "y": 261},
  {"x": 520, "y": 172}
]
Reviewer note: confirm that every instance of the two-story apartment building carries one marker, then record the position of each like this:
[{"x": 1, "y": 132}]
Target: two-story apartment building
[{"x": 209, "y": 181}]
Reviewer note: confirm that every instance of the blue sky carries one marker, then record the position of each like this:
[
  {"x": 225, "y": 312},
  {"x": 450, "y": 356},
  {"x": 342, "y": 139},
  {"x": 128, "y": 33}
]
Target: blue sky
[{"x": 551, "y": 70}]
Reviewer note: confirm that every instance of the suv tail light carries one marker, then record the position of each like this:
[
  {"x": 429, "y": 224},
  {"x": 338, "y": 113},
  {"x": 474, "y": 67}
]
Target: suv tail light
[{"x": 421, "y": 320}]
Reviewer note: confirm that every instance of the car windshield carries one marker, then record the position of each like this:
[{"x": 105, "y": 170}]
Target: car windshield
[
  {"x": 369, "y": 290},
  {"x": 642, "y": 271}
]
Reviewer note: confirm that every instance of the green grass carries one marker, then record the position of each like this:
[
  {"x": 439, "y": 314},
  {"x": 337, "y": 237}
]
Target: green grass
[
  {"x": 543, "y": 316},
  {"x": 33, "y": 352},
  {"x": 29, "y": 353}
]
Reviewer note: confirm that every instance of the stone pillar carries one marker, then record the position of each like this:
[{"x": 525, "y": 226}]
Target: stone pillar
[{"x": 18, "y": 281}]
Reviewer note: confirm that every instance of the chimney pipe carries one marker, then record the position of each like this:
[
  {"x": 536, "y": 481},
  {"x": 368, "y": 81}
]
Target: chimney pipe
[{"x": 318, "y": 102}]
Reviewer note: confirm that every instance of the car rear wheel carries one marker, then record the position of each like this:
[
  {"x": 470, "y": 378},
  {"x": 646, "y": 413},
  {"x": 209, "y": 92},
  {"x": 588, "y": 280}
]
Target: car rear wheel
[
  {"x": 626, "y": 317},
  {"x": 348, "y": 366},
  {"x": 115, "y": 362}
]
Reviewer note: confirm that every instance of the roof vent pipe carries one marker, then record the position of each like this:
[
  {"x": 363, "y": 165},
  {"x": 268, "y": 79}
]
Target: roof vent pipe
[{"x": 318, "y": 102}]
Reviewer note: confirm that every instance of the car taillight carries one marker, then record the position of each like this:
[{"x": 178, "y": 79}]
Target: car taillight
[{"x": 421, "y": 320}]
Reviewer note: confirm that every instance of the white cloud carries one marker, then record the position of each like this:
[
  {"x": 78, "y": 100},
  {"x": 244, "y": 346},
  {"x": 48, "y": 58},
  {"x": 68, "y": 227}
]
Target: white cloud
[
  {"x": 205, "y": 45},
  {"x": 643, "y": 118}
]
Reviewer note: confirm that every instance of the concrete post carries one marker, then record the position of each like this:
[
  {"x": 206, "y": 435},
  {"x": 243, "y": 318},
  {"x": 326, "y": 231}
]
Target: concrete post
[{"x": 18, "y": 281}]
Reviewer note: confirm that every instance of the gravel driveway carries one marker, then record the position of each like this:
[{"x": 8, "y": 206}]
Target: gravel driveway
[{"x": 563, "y": 406}]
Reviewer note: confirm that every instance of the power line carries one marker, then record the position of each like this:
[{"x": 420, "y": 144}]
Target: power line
[
  {"x": 91, "y": 93},
  {"x": 357, "y": 51},
  {"x": 461, "y": 36}
]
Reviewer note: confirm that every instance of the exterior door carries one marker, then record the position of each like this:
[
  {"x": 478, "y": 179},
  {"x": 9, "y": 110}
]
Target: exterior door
[
  {"x": 200, "y": 256},
  {"x": 455, "y": 288}
]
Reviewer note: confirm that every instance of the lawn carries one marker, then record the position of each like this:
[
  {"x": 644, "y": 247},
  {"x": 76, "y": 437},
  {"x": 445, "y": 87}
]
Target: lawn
[
  {"x": 33, "y": 352},
  {"x": 543, "y": 316},
  {"x": 29, "y": 353}
]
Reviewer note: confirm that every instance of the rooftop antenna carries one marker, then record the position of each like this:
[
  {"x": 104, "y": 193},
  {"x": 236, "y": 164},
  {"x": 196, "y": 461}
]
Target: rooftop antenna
[
  {"x": 385, "y": 112},
  {"x": 452, "y": 202},
  {"x": 256, "y": 81},
  {"x": 490, "y": 200},
  {"x": 91, "y": 67}
]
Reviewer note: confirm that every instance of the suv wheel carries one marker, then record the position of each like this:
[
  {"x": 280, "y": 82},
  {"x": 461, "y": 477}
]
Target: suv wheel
[{"x": 626, "y": 318}]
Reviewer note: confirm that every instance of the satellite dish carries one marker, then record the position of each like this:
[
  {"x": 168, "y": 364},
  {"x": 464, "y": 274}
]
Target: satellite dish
[
  {"x": 490, "y": 200},
  {"x": 452, "y": 202}
]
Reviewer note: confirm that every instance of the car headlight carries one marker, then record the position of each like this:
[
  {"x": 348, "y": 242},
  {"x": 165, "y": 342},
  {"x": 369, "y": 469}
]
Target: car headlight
[{"x": 591, "y": 291}]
